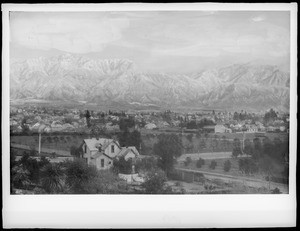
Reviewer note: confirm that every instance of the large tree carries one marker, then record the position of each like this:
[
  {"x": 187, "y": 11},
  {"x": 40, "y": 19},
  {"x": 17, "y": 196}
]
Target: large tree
[
  {"x": 88, "y": 119},
  {"x": 248, "y": 149},
  {"x": 236, "y": 148},
  {"x": 168, "y": 148},
  {"x": 52, "y": 178}
]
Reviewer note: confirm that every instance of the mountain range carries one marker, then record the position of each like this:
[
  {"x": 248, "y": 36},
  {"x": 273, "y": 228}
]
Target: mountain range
[{"x": 77, "y": 78}]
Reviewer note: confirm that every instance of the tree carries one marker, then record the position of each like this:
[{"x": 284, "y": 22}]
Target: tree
[
  {"x": 126, "y": 123},
  {"x": 188, "y": 160},
  {"x": 20, "y": 177},
  {"x": 200, "y": 162},
  {"x": 227, "y": 166},
  {"x": 257, "y": 149},
  {"x": 168, "y": 148},
  {"x": 270, "y": 115},
  {"x": 134, "y": 139},
  {"x": 32, "y": 151},
  {"x": 190, "y": 137},
  {"x": 248, "y": 150},
  {"x": 224, "y": 144},
  {"x": 214, "y": 142},
  {"x": 146, "y": 164},
  {"x": 191, "y": 125},
  {"x": 52, "y": 178},
  {"x": 155, "y": 182},
  {"x": 88, "y": 118},
  {"x": 268, "y": 148},
  {"x": 49, "y": 139},
  {"x": 266, "y": 166},
  {"x": 202, "y": 144},
  {"x": 56, "y": 139},
  {"x": 123, "y": 166},
  {"x": 32, "y": 166},
  {"x": 24, "y": 126},
  {"x": 78, "y": 174},
  {"x": 75, "y": 151},
  {"x": 247, "y": 166},
  {"x": 213, "y": 164},
  {"x": 236, "y": 148}
]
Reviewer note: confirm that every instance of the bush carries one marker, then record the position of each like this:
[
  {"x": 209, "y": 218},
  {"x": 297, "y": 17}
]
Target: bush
[
  {"x": 155, "y": 182},
  {"x": 227, "y": 166},
  {"x": 276, "y": 191},
  {"x": 174, "y": 175},
  {"x": 146, "y": 164},
  {"x": 123, "y": 166},
  {"x": 188, "y": 160},
  {"x": 200, "y": 162},
  {"x": 78, "y": 174},
  {"x": 189, "y": 137},
  {"x": 247, "y": 166},
  {"x": 213, "y": 164}
]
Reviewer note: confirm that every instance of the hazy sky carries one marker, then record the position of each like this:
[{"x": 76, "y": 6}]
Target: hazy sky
[{"x": 169, "y": 41}]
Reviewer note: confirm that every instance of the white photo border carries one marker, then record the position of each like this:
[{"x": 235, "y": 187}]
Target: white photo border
[{"x": 148, "y": 211}]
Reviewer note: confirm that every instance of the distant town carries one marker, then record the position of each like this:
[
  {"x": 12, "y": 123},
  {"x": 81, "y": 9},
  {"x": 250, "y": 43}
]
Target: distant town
[{"x": 199, "y": 152}]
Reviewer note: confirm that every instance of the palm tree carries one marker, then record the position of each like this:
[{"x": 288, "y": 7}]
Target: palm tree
[
  {"x": 52, "y": 178},
  {"x": 20, "y": 177}
]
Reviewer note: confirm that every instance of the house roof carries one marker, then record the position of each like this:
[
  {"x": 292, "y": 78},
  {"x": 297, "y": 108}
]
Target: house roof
[
  {"x": 125, "y": 150},
  {"x": 94, "y": 143},
  {"x": 98, "y": 154}
]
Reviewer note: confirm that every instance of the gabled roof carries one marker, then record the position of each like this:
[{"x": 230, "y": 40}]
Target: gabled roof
[
  {"x": 125, "y": 150},
  {"x": 103, "y": 142},
  {"x": 98, "y": 154}
]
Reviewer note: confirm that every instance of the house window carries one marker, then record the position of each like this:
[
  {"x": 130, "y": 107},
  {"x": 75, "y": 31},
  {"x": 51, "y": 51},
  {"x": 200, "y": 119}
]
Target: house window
[
  {"x": 113, "y": 149},
  {"x": 109, "y": 162},
  {"x": 84, "y": 148},
  {"x": 102, "y": 163}
]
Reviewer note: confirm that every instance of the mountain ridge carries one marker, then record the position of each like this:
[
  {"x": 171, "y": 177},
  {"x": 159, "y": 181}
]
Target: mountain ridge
[{"x": 69, "y": 77}]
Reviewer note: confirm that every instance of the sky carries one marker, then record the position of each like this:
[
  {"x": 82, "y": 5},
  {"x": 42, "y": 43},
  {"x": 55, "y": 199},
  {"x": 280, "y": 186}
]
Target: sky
[{"x": 167, "y": 41}]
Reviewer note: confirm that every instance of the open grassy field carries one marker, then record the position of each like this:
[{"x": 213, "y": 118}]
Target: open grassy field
[
  {"x": 202, "y": 143},
  {"x": 234, "y": 170},
  {"x": 60, "y": 142},
  {"x": 192, "y": 143}
]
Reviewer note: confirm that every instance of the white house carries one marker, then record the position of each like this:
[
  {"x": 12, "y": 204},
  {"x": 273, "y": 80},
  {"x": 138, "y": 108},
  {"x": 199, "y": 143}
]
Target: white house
[
  {"x": 100, "y": 152},
  {"x": 282, "y": 128},
  {"x": 220, "y": 128},
  {"x": 150, "y": 126}
]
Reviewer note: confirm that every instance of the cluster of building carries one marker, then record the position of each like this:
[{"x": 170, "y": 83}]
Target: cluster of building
[
  {"x": 248, "y": 127},
  {"x": 74, "y": 120}
]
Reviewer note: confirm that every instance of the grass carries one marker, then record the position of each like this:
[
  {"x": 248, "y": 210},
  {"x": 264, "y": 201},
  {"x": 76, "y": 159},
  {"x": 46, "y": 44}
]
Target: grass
[
  {"x": 234, "y": 170},
  {"x": 63, "y": 142}
]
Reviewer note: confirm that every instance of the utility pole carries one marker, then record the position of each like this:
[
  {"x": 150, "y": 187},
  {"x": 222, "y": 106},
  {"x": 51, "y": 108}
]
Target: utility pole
[{"x": 40, "y": 138}]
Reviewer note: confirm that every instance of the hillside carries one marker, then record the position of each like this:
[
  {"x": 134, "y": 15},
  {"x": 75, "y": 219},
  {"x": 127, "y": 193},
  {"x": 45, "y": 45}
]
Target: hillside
[{"x": 116, "y": 81}]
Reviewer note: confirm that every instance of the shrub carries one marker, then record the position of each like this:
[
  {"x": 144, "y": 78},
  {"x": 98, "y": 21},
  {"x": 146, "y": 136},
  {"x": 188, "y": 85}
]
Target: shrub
[
  {"x": 227, "y": 165},
  {"x": 155, "y": 182},
  {"x": 213, "y": 164},
  {"x": 78, "y": 174},
  {"x": 52, "y": 178},
  {"x": 123, "y": 166},
  {"x": 188, "y": 160},
  {"x": 200, "y": 162},
  {"x": 189, "y": 137},
  {"x": 276, "y": 191}
]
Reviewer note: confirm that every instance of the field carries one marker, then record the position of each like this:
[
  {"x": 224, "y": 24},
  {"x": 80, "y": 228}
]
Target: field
[
  {"x": 59, "y": 142},
  {"x": 192, "y": 143},
  {"x": 201, "y": 143},
  {"x": 219, "y": 169}
]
